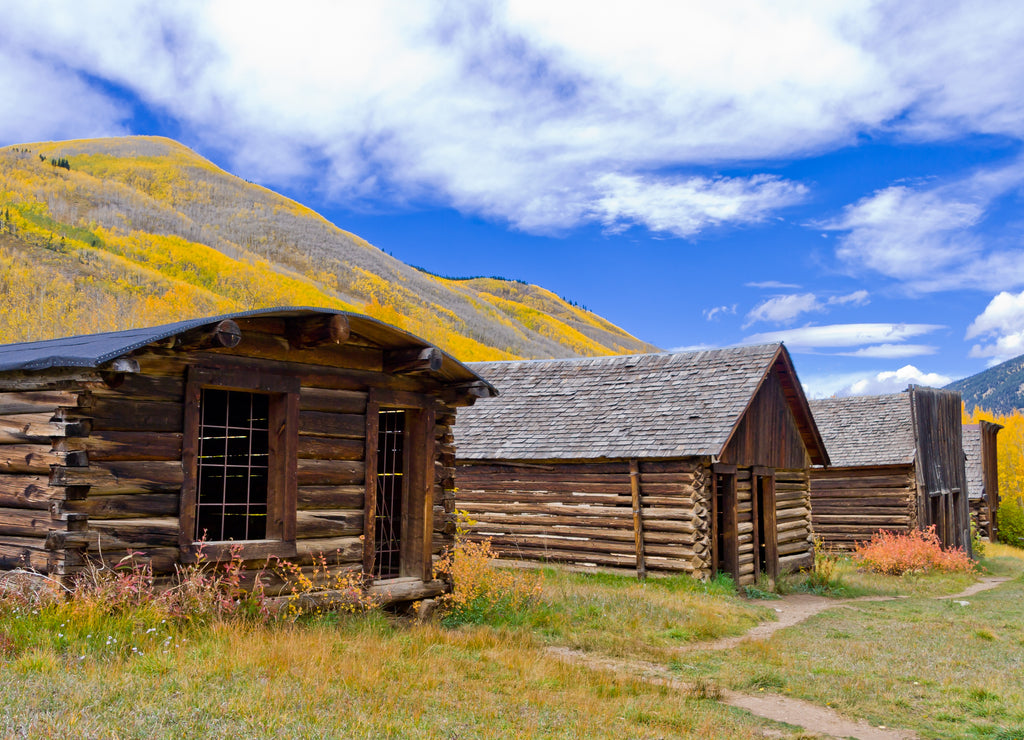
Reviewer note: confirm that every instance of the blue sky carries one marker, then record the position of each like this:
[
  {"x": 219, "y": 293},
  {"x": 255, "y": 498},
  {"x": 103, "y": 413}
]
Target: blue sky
[{"x": 844, "y": 176}]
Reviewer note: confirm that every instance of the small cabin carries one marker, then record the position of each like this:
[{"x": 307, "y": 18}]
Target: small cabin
[
  {"x": 983, "y": 475},
  {"x": 283, "y": 433},
  {"x": 897, "y": 465},
  {"x": 694, "y": 462}
]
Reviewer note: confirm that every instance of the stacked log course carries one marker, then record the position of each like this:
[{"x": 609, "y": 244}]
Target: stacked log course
[
  {"x": 852, "y": 504},
  {"x": 583, "y": 512},
  {"x": 91, "y": 468},
  {"x": 539, "y": 475}
]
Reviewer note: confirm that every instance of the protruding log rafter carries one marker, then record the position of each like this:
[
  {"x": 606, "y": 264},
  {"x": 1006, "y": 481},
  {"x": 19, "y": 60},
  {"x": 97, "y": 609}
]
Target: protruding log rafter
[
  {"x": 222, "y": 334},
  {"x": 316, "y": 331},
  {"x": 466, "y": 393},
  {"x": 413, "y": 360}
]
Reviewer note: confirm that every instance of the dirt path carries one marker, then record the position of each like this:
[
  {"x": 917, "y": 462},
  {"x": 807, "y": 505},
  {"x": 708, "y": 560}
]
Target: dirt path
[{"x": 791, "y": 610}]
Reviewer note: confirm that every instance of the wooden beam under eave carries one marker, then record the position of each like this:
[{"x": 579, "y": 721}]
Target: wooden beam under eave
[
  {"x": 413, "y": 360},
  {"x": 304, "y": 333}
]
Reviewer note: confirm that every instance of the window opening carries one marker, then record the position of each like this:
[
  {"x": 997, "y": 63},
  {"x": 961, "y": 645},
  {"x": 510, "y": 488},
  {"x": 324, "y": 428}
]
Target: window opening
[
  {"x": 233, "y": 465},
  {"x": 761, "y": 542},
  {"x": 390, "y": 488}
]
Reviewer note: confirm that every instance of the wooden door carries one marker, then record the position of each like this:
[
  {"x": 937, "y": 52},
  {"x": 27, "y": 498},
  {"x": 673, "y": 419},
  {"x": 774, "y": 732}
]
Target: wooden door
[
  {"x": 724, "y": 535},
  {"x": 766, "y": 533}
]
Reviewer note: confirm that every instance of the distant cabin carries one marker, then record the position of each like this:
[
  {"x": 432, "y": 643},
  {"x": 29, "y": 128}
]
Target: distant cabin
[
  {"x": 694, "y": 462},
  {"x": 983, "y": 475},
  {"x": 897, "y": 465},
  {"x": 282, "y": 433}
]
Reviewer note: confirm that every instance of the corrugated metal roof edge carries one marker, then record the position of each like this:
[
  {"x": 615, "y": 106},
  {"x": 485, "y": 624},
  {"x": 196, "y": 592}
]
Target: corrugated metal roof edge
[{"x": 164, "y": 331}]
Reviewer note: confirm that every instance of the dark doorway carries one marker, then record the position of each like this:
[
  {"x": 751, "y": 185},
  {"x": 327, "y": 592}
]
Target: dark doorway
[{"x": 724, "y": 541}]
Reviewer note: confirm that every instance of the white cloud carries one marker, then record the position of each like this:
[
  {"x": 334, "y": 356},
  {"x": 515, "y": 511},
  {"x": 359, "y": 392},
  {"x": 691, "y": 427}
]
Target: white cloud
[
  {"x": 1002, "y": 323},
  {"x": 711, "y": 313},
  {"x": 856, "y": 298},
  {"x": 771, "y": 284},
  {"x": 687, "y": 207},
  {"x": 544, "y": 114},
  {"x": 893, "y": 381},
  {"x": 784, "y": 309},
  {"x": 893, "y": 351},
  {"x": 927, "y": 236},
  {"x": 843, "y": 335},
  {"x": 873, "y": 383}
]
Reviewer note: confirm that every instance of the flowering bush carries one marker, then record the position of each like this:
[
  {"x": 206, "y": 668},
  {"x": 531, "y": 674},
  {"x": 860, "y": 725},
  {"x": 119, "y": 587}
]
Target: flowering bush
[
  {"x": 916, "y": 551},
  {"x": 349, "y": 584},
  {"x": 483, "y": 592}
]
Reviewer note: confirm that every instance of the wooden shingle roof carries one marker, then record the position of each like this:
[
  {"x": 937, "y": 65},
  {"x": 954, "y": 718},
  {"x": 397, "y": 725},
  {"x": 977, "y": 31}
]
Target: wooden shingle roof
[
  {"x": 867, "y": 430},
  {"x": 654, "y": 405}
]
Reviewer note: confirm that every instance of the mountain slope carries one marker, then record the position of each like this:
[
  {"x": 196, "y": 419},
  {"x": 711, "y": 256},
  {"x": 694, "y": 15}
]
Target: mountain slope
[
  {"x": 999, "y": 389},
  {"x": 108, "y": 234}
]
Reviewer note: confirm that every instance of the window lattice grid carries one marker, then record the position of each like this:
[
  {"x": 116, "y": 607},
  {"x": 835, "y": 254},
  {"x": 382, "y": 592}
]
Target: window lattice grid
[
  {"x": 233, "y": 465},
  {"x": 390, "y": 482}
]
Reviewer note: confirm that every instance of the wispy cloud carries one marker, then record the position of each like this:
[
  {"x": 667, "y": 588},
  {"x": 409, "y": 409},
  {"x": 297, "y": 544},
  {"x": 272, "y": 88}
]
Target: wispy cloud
[
  {"x": 893, "y": 351},
  {"x": 927, "y": 236},
  {"x": 785, "y": 309},
  {"x": 843, "y": 335},
  {"x": 711, "y": 313},
  {"x": 772, "y": 284}
]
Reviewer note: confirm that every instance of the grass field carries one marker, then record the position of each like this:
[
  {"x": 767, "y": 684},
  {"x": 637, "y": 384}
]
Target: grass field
[
  {"x": 947, "y": 668},
  {"x": 944, "y": 669}
]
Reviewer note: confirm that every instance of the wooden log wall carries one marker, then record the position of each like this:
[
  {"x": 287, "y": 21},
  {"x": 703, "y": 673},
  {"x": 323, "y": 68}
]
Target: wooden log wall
[
  {"x": 33, "y": 427},
  {"x": 848, "y": 505},
  {"x": 97, "y": 474},
  {"x": 582, "y": 512},
  {"x": 793, "y": 519},
  {"x": 981, "y": 517}
]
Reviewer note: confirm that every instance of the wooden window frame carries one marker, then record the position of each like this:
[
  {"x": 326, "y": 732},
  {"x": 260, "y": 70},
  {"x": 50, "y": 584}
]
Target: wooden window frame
[
  {"x": 417, "y": 527},
  {"x": 282, "y": 481}
]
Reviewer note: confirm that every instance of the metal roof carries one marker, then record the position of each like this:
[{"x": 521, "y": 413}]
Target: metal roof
[
  {"x": 653, "y": 405},
  {"x": 867, "y": 430},
  {"x": 93, "y": 351}
]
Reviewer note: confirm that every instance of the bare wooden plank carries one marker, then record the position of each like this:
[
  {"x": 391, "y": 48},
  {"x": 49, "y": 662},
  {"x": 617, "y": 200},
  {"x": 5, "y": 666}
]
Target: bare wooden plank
[
  {"x": 29, "y": 492},
  {"x": 330, "y": 472},
  {"x": 36, "y": 402},
  {"x": 333, "y": 401},
  {"x": 329, "y": 523},
  {"x": 321, "y": 424},
  {"x": 123, "y": 477},
  {"x": 127, "y": 414},
  {"x": 331, "y": 497},
  {"x": 126, "y": 446},
  {"x": 27, "y": 522},
  {"x": 127, "y": 506}
]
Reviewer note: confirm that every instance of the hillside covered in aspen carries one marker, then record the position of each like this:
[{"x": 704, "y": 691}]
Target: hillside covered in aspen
[{"x": 107, "y": 234}]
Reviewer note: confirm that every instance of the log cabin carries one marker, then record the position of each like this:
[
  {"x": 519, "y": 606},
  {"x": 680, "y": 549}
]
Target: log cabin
[
  {"x": 692, "y": 462},
  {"x": 897, "y": 465},
  {"x": 281, "y": 433},
  {"x": 983, "y": 476}
]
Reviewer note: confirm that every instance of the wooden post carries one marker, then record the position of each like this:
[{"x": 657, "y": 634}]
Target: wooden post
[{"x": 638, "y": 522}]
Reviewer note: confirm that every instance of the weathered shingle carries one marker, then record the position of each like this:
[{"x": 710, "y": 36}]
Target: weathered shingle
[
  {"x": 656, "y": 405},
  {"x": 867, "y": 430},
  {"x": 974, "y": 466}
]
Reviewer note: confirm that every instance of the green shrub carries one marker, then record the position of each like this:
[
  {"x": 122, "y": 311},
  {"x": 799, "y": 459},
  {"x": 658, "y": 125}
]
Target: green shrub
[{"x": 1010, "y": 518}]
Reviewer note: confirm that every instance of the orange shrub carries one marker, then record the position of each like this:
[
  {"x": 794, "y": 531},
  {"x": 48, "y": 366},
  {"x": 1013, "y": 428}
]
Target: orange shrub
[{"x": 912, "y": 552}]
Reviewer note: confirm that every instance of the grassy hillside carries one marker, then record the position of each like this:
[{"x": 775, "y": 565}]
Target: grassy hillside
[
  {"x": 108, "y": 234},
  {"x": 999, "y": 389}
]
